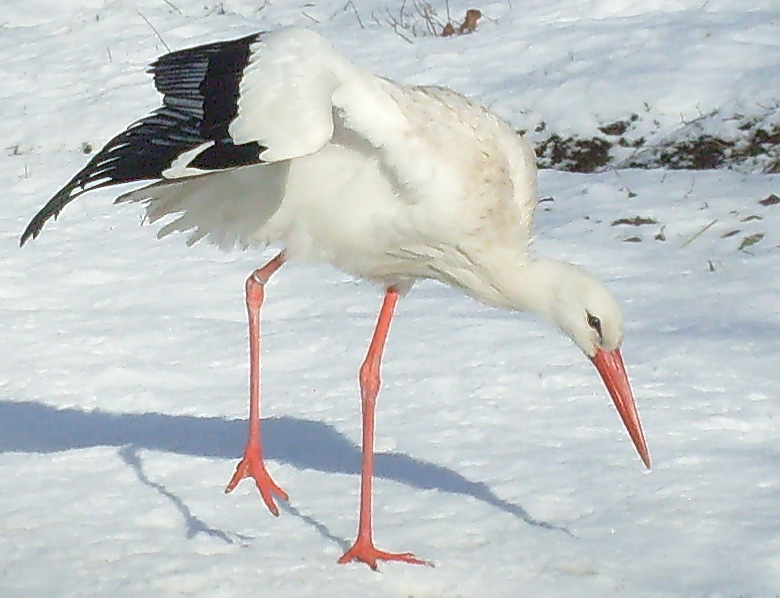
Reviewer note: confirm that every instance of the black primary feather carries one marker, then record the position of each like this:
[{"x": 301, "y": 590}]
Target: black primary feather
[{"x": 200, "y": 88}]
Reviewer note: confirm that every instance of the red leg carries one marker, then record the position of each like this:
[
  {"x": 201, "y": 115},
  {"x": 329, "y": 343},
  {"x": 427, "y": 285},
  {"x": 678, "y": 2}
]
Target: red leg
[
  {"x": 363, "y": 549},
  {"x": 252, "y": 466}
]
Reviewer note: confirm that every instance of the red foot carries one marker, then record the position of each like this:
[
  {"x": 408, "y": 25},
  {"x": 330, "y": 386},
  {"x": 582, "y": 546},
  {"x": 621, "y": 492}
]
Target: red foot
[
  {"x": 253, "y": 467},
  {"x": 366, "y": 552}
]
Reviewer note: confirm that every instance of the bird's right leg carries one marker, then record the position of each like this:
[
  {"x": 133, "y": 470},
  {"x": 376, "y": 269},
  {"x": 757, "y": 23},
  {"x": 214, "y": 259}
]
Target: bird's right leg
[{"x": 252, "y": 465}]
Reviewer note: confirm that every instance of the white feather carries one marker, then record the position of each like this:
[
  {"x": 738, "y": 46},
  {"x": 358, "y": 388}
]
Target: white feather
[{"x": 381, "y": 179}]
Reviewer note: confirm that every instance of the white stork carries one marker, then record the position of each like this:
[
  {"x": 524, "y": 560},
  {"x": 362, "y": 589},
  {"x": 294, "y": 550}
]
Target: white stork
[{"x": 275, "y": 138}]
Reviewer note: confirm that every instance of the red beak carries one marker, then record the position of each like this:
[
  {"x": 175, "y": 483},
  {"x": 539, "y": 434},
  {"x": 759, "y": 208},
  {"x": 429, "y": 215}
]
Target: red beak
[{"x": 613, "y": 372}]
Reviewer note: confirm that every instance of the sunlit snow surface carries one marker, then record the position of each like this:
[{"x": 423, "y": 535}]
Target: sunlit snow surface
[{"x": 501, "y": 458}]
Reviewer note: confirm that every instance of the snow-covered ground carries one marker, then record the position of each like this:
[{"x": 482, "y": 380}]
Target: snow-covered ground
[{"x": 124, "y": 360}]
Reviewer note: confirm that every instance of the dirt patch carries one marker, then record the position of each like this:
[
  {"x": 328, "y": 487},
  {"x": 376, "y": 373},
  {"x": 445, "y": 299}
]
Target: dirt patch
[
  {"x": 770, "y": 200},
  {"x": 573, "y": 154},
  {"x": 713, "y": 141},
  {"x": 635, "y": 221}
]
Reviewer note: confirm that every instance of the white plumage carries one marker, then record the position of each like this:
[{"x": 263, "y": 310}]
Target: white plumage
[
  {"x": 385, "y": 181},
  {"x": 276, "y": 138}
]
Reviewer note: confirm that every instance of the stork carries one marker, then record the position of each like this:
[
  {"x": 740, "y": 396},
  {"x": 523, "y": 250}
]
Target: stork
[{"x": 277, "y": 139}]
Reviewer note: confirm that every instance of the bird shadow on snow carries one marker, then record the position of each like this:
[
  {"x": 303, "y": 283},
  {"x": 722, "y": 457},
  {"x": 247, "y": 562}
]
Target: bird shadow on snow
[
  {"x": 194, "y": 525},
  {"x": 28, "y": 427}
]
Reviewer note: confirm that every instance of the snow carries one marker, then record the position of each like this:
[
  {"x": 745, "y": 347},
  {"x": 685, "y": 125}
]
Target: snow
[{"x": 124, "y": 359}]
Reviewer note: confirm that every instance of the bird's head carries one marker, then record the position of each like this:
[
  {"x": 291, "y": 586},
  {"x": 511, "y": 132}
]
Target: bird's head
[{"x": 585, "y": 310}]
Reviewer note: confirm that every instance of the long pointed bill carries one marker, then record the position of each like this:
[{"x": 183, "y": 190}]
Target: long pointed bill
[{"x": 613, "y": 372}]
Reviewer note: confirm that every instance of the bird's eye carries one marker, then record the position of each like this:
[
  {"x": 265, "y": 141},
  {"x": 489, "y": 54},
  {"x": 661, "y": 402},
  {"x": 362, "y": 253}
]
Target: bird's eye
[{"x": 594, "y": 323}]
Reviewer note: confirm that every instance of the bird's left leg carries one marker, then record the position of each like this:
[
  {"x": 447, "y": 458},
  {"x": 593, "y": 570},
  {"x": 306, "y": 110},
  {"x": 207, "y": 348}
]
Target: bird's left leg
[
  {"x": 252, "y": 465},
  {"x": 363, "y": 549}
]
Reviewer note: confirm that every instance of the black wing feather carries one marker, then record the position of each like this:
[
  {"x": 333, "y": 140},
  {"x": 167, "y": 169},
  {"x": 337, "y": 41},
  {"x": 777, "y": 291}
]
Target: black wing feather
[{"x": 200, "y": 88}]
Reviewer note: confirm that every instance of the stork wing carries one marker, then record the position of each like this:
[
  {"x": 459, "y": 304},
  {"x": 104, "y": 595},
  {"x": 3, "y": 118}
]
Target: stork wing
[{"x": 255, "y": 100}]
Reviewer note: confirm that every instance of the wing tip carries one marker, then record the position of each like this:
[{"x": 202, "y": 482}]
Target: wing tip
[
  {"x": 27, "y": 235},
  {"x": 53, "y": 208},
  {"x": 34, "y": 228}
]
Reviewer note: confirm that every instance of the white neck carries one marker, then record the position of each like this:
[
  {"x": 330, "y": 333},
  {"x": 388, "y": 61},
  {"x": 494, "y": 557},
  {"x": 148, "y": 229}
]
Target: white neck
[
  {"x": 534, "y": 286},
  {"x": 508, "y": 279}
]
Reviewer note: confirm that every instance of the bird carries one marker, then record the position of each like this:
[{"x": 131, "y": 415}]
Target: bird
[{"x": 277, "y": 139}]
